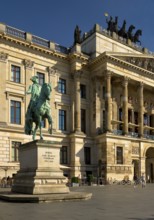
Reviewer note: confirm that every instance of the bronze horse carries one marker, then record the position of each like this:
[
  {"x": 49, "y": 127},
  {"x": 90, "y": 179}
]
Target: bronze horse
[
  {"x": 129, "y": 32},
  {"x": 136, "y": 36},
  {"x": 40, "y": 111},
  {"x": 122, "y": 32}
]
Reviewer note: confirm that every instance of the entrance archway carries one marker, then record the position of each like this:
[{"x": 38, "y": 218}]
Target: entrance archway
[
  {"x": 136, "y": 171},
  {"x": 150, "y": 165}
]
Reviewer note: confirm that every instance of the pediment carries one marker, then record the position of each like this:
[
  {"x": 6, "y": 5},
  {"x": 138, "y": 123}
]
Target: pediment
[{"x": 143, "y": 61}]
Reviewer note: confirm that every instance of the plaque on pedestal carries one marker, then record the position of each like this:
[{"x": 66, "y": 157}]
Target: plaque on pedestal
[{"x": 40, "y": 171}]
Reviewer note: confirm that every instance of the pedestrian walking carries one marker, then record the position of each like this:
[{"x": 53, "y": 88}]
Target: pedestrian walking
[{"x": 143, "y": 180}]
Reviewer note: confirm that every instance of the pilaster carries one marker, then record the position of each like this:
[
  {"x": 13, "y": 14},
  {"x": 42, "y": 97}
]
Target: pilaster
[
  {"x": 28, "y": 74},
  {"x": 77, "y": 76},
  {"x": 4, "y": 70},
  {"x": 52, "y": 79}
]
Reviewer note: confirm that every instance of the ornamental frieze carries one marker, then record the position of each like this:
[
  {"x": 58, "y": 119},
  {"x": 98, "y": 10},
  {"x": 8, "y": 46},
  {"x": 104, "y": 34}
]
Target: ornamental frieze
[
  {"x": 145, "y": 63},
  {"x": 3, "y": 56},
  {"x": 135, "y": 150}
]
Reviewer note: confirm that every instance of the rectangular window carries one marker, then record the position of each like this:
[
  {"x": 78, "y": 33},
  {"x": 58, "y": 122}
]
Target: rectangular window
[
  {"x": 87, "y": 155},
  {"x": 145, "y": 119},
  {"x": 15, "y": 112},
  {"x": 129, "y": 115},
  {"x": 15, "y": 74},
  {"x": 64, "y": 155},
  {"x": 62, "y": 120},
  {"x": 62, "y": 86},
  {"x": 15, "y": 150},
  {"x": 104, "y": 91},
  {"x": 120, "y": 114},
  {"x": 136, "y": 118},
  {"x": 104, "y": 120},
  {"x": 83, "y": 120},
  {"x": 119, "y": 155},
  {"x": 41, "y": 78},
  {"x": 83, "y": 91}
]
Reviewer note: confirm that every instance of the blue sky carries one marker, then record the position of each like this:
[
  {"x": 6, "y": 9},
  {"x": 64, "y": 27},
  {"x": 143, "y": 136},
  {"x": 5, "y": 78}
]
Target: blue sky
[{"x": 55, "y": 20}]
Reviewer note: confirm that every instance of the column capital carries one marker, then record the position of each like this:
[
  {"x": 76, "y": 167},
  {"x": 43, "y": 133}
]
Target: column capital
[
  {"x": 125, "y": 81},
  {"x": 141, "y": 84},
  {"x": 3, "y": 56},
  {"x": 51, "y": 71},
  {"x": 77, "y": 74},
  {"x": 28, "y": 64},
  {"x": 107, "y": 73}
]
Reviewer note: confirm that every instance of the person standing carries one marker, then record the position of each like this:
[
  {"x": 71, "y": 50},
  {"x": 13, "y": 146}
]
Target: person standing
[{"x": 143, "y": 180}]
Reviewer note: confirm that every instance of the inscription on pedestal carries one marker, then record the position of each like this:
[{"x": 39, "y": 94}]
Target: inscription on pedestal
[{"x": 48, "y": 157}]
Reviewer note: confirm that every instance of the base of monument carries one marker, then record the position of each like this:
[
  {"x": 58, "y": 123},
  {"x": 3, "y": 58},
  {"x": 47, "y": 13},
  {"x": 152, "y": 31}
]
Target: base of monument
[
  {"x": 40, "y": 171},
  {"x": 71, "y": 196}
]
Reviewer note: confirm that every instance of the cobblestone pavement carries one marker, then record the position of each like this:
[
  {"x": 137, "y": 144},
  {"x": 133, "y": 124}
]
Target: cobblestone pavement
[{"x": 111, "y": 202}]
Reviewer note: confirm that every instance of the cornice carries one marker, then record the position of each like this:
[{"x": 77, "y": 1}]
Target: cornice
[
  {"x": 33, "y": 46},
  {"x": 79, "y": 56},
  {"x": 111, "y": 58}
]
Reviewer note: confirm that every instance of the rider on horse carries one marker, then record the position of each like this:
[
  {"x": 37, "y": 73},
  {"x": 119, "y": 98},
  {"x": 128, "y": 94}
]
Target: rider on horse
[{"x": 34, "y": 90}]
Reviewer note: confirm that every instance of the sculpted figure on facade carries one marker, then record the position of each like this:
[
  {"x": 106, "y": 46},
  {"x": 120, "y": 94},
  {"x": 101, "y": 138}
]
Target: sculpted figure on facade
[
  {"x": 38, "y": 108},
  {"x": 77, "y": 35}
]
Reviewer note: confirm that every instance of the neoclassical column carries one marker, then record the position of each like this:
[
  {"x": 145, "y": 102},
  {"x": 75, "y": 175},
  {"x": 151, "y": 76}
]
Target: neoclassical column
[
  {"x": 141, "y": 112},
  {"x": 125, "y": 106},
  {"x": 77, "y": 76},
  {"x": 108, "y": 101}
]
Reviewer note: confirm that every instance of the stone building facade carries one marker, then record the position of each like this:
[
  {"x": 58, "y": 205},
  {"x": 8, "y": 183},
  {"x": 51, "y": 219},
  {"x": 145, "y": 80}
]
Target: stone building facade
[{"x": 102, "y": 102}]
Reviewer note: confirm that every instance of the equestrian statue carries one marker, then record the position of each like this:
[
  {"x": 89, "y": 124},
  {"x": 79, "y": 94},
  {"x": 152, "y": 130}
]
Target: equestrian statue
[
  {"x": 122, "y": 32},
  {"x": 38, "y": 108}
]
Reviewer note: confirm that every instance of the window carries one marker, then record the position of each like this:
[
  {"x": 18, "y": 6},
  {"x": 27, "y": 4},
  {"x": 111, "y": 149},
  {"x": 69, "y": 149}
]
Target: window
[
  {"x": 15, "y": 74},
  {"x": 136, "y": 118},
  {"x": 87, "y": 155},
  {"x": 104, "y": 120},
  {"x": 120, "y": 114},
  {"x": 41, "y": 78},
  {"x": 145, "y": 119},
  {"x": 15, "y": 148},
  {"x": 104, "y": 91},
  {"x": 119, "y": 155},
  {"x": 129, "y": 115},
  {"x": 15, "y": 112},
  {"x": 62, "y": 120},
  {"x": 83, "y": 120},
  {"x": 64, "y": 155},
  {"x": 83, "y": 91},
  {"x": 62, "y": 86}
]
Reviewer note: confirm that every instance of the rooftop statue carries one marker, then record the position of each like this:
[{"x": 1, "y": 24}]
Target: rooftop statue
[
  {"x": 77, "y": 35},
  {"x": 38, "y": 108},
  {"x": 122, "y": 32},
  {"x": 136, "y": 36},
  {"x": 112, "y": 25},
  {"x": 129, "y": 32}
]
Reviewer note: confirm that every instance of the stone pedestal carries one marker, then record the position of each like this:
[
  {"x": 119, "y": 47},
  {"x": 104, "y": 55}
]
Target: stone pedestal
[{"x": 40, "y": 171}]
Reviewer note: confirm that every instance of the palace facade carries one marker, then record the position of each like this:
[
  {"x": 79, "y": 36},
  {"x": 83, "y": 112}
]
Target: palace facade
[{"x": 102, "y": 102}]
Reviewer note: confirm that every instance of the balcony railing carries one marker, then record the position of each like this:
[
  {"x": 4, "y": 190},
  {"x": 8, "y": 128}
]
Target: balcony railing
[
  {"x": 117, "y": 132},
  {"x": 15, "y": 32},
  {"x": 35, "y": 39},
  {"x": 148, "y": 136},
  {"x": 133, "y": 134}
]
